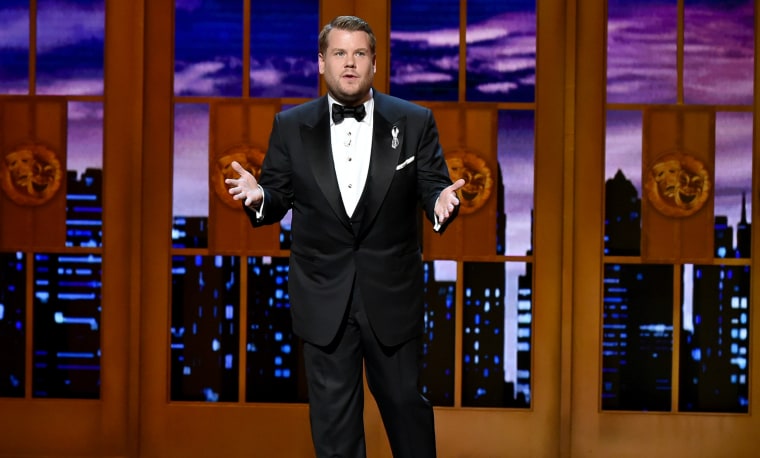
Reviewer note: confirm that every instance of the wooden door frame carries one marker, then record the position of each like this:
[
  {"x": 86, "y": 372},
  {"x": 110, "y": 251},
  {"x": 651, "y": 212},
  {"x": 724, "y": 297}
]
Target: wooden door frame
[
  {"x": 107, "y": 426},
  {"x": 604, "y": 433}
]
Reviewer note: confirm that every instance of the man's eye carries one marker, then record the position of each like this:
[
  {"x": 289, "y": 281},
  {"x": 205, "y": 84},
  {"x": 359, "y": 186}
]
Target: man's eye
[
  {"x": 339, "y": 53},
  {"x": 360, "y": 53}
]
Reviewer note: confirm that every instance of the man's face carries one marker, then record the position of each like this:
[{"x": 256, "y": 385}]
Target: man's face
[{"x": 348, "y": 66}]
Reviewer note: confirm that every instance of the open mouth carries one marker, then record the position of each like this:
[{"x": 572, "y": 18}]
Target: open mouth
[{"x": 687, "y": 198}]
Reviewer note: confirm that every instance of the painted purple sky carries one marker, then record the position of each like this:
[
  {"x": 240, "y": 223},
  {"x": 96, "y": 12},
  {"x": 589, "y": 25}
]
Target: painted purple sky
[
  {"x": 718, "y": 52},
  {"x": 69, "y": 47},
  {"x": 501, "y": 49},
  {"x": 641, "y": 52}
]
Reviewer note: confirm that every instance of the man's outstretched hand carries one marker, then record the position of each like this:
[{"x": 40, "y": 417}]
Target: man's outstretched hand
[
  {"x": 448, "y": 201},
  {"x": 246, "y": 187}
]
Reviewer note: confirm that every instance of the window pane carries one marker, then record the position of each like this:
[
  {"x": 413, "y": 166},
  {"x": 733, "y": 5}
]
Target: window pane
[
  {"x": 204, "y": 328},
  {"x": 70, "y": 47},
  {"x": 425, "y": 53},
  {"x": 641, "y": 51},
  {"x": 714, "y": 370},
  {"x": 733, "y": 184},
  {"x": 501, "y": 51},
  {"x": 208, "y": 48},
  {"x": 274, "y": 358},
  {"x": 437, "y": 373},
  {"x": 516, "y": 145},
  {"x": 84, "y": 198},
  {"x": 637, "y": 345},
  {"x": 12, "y": 324},
  {"x": 283, "y": 63},
  {"x": 14, "y": 47},
  {"x": 190, "y": 194},
  {"x": 719, "y": 52},
  {"x": 66, "y": 342},
  {"x": 497, "y": 337},
  {"x": 622, "y": 219}
]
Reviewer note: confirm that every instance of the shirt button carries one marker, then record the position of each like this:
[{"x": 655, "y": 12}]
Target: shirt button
[{"x": 350, "y": 186}]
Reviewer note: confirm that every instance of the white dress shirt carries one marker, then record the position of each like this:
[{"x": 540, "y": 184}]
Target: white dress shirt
[{"x": 351, "y": 148}]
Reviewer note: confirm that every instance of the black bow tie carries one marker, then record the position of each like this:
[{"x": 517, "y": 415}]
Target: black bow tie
[{"x": 339, "y": 112}]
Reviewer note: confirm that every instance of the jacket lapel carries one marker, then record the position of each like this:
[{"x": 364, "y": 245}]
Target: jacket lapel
[
  {"x": 383, "y": 161},
  {"x": 316, "y": 138}
]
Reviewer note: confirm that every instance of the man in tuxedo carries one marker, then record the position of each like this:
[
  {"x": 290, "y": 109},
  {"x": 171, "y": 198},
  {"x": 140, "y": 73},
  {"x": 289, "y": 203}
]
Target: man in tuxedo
[{"x": 356, "y": 166}]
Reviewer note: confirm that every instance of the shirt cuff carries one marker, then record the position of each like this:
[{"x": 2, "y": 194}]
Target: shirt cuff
[
  {"x": 436, "y": 224},
  {"x": 260, "y": 211}
]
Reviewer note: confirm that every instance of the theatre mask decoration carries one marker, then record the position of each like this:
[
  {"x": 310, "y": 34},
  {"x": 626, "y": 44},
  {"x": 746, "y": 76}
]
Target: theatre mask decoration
[
  {"x": 249, "y": 157},
  {"x": 477, "y": 177},
  {"x": 30, "y": 174},
  {"x": 677, "y": 184}
]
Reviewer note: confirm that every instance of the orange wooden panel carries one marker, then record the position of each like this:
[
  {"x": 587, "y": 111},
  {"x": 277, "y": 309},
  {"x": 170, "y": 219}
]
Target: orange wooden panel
[
  {"x": 678, "y": 164},
  {"x": 239, "y": 131},
  {"x": 32, "y": 173},
  {"x": 469, "y": 141}
]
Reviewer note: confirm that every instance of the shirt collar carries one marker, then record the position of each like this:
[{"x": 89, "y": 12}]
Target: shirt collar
[{"x": 369, "y": 105}]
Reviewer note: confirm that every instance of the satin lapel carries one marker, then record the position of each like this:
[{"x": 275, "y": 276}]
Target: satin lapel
[
  {"x": 317, "y": 140},
  {"x": 382, "y": 164}
]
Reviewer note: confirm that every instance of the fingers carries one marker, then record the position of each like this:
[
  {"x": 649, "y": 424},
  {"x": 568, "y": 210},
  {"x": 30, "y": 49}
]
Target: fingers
[
  {"x": 444, "y": 216},
  {"x": 243, "y": 185},
  {"x": 457, "y": 184},
  {"x": 445, "y": 208},
  {"x": 238, "y": 168},
  {"x": 448, "y": 201},
  {"x": 450, "y": 194},
  {"x": 450, "y": 198}
]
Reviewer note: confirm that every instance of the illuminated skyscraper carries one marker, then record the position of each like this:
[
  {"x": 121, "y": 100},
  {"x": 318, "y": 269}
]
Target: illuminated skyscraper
[
  {"x": 205, "y": 328},
  {"x": 12, "y": 324},
  {"x": 483, "y": 381},
  {"x": 67, "y": 300},
  {"x": 274, "y": 364},
  {"x": 715, "y": 336},
  {"x": 522, "y": 390},
  {"x": 637, "y": 344},
  {"x": 437, "y": 372}
]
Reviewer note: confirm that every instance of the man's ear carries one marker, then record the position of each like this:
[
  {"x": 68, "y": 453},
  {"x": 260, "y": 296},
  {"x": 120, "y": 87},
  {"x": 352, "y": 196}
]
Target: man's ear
[{"x": 321, "y": 63}]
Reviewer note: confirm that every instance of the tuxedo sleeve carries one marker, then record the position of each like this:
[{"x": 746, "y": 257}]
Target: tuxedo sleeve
[
  {"x": 432, "y": 172},
  {"x": 275, "y": 179}
]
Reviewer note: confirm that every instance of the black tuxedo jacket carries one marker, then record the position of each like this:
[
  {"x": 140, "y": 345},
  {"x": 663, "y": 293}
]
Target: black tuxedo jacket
[{"x": 379, "y": 245}]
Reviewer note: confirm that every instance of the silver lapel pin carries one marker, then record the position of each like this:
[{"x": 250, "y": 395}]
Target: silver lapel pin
[{"x": 394, "y": 141}]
